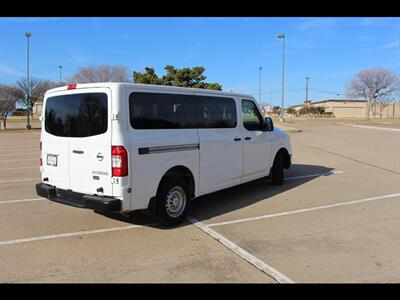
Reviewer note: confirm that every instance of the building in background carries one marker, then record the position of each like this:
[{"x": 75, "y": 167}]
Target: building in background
[
  {"x": 349, "y": 108},
  {"x": 37, "y": 108}
]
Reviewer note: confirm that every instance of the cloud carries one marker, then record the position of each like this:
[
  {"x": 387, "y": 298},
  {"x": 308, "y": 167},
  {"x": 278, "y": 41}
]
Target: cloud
[
  {"x": 10, "y": 71},
  {"x": 121, "y": 52},
  {"x": 391, "y": 45},
  {"x": 394, "y": 44},
  {"x": 366, "y": 38},
  {"x": 376, "y": 21},
  {"x": 313, "y": 23}
]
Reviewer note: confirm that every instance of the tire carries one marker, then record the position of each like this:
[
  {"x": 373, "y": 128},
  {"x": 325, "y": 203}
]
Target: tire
[
  {"x": 277, "y": 170},
  {"x": 173, "y": 199}
]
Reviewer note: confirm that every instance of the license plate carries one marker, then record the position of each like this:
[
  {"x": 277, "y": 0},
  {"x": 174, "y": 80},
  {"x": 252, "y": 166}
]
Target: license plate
[{"x": 52, "y": 160}]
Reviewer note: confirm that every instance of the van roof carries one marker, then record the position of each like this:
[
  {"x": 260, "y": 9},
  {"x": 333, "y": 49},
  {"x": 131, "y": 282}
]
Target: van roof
[{"x": 147, "y": 86}]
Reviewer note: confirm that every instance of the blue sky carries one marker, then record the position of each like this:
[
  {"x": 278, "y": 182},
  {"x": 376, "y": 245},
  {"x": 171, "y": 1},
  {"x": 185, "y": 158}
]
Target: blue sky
[{"x": 328, "y": 50}]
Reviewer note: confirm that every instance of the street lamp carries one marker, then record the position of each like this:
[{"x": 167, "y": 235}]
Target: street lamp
[
  {"x": 259, "y": 91},
  {"x": 307, "y": 78},
  {"x": 282, "y": 36},
  {"x": 28, "y": 126},
  {"x": 60, "y": 66}
]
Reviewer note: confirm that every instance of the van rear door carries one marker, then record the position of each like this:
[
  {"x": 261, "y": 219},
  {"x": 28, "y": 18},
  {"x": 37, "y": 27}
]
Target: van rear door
[
  {"x": 55, "y": 145},
  {"x": 84, "y": 115}
]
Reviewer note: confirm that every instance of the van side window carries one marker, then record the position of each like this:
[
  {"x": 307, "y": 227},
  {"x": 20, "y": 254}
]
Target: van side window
[
  {"x": 161, "y": 111},
  {"x": 252, "y": 119},
  {"x": 215, "y": 112}
]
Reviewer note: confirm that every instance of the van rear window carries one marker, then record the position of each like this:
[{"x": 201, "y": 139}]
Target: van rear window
[{"x": 76, "y": 115}]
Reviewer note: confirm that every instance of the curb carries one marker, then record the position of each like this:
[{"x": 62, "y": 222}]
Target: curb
[{"x": 289, "y": 129}]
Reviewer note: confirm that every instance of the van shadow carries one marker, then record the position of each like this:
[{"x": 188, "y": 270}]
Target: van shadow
[{"x": 235, "y": 198}]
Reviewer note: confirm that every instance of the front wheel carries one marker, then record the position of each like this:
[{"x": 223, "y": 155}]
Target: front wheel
[
  {"x": 172, "y": 201},
  {"x": 277, "y": 170}
]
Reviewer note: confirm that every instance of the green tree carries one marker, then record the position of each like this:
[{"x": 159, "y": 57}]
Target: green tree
[
  {"x": 185, "y": 77},
  {"x": 148, "y": 77}
]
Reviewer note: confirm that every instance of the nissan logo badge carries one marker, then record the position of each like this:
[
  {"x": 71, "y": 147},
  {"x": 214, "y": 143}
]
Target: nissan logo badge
[{"x": 100, "y": 156}]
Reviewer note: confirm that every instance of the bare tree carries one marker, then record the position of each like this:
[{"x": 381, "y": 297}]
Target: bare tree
[
  {"x": 377, "y": 85},
  {"x": 33, "y": 92},
  {"x": 9, "y": 96},
  {"x": 103, "y": 73}
]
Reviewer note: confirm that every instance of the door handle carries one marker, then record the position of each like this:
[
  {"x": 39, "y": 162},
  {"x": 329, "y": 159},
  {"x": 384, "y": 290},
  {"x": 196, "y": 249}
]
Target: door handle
[
  {"x": 77, "y": 151},
  {"x": 236, "y": 139},
  {"x": 247, "y": 138}
]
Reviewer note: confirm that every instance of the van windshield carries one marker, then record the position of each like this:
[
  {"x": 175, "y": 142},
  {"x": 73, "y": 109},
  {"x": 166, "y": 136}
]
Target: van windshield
[{"x": 76, "y": 115}]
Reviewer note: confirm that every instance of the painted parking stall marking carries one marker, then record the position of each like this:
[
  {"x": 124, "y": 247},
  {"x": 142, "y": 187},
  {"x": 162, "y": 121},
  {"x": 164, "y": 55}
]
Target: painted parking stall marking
[
  {"x": 69, "y": 234},
  {"x": 20, "y": 180},
  {"x": 259, "y": 264},
  {"x": 22, "y": 200},
  {"x": 16, "y": 168},
  {"x": 286, "y": 213}
]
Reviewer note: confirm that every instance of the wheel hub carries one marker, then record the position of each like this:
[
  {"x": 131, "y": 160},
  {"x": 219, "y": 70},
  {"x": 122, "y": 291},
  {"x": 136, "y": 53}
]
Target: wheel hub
[{"x": 175, "y": 202}]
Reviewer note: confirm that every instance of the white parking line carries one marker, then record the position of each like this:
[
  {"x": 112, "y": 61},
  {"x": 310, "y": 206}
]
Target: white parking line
[
  {"x": 370, "y": 127},
  {"x": 22, "y": 180},
  {"x": 259, "y": 264},
  {"x": 12, "y": 160},
  {"x": 22, "y": 200},
  {"x": 314, "y": 175},
  {"x": 7, "y": 169},
  {"x": 19, "y": 148},
  {"x": 15, "y": 154},
  {"x": 286, "y": 213},
  {"x": 68, "y": 234}
]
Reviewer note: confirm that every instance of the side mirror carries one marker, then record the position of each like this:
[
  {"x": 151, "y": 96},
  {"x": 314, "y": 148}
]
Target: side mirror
[{"x": 268, "y": 124}]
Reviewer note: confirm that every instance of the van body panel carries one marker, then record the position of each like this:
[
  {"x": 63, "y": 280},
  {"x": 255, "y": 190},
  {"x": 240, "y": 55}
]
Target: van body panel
[
  {"x": 221, "y": 155},
  {"x": 257, "y": 148},
  {"x": 155, "y": 151},
  {"x": 256, "y": 156},
  {"x": 55, "y": 173},
  {"x": 173, "y": 149}
]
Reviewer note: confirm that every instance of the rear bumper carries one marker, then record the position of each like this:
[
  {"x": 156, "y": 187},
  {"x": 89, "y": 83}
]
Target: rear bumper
[{"x": 97, "y": 203}]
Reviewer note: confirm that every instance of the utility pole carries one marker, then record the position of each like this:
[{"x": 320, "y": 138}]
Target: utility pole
[{"x": 259, "y": 91}]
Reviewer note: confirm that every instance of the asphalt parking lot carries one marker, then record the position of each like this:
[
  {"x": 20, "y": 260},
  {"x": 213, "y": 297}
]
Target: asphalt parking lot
[{"x": 335, "y": 219}]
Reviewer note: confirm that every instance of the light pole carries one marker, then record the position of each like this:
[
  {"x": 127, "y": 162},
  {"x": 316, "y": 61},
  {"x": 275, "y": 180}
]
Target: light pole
[
  {"x": 60, "y": 66},
  {"x": 259, "y": 91},
  {"x": 282, "y": 36},
  {"x": 307, "y": 88},
  {"x": 28, "y": 126}
]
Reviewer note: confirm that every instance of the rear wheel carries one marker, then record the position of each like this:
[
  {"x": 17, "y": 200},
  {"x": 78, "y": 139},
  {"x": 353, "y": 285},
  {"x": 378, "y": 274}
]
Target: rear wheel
[
  {"x": 277, "y": 170},
  {"x": 172, "y": 201}
]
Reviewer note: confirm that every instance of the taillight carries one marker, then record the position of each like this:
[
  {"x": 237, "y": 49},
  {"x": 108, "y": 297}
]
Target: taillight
[
  {"x": 41, "y": 163},
  {"x": 71, "y": 86},
  {"x": 119, "y": 158}
]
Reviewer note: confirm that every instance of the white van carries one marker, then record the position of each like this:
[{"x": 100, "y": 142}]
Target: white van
[{"x": 117, "y": 147}]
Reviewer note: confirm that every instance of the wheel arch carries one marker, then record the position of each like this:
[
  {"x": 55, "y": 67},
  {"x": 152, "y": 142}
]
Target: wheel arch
[
  {"x": 286, "y": 156},
  {"x": 180, "y": 171}
]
